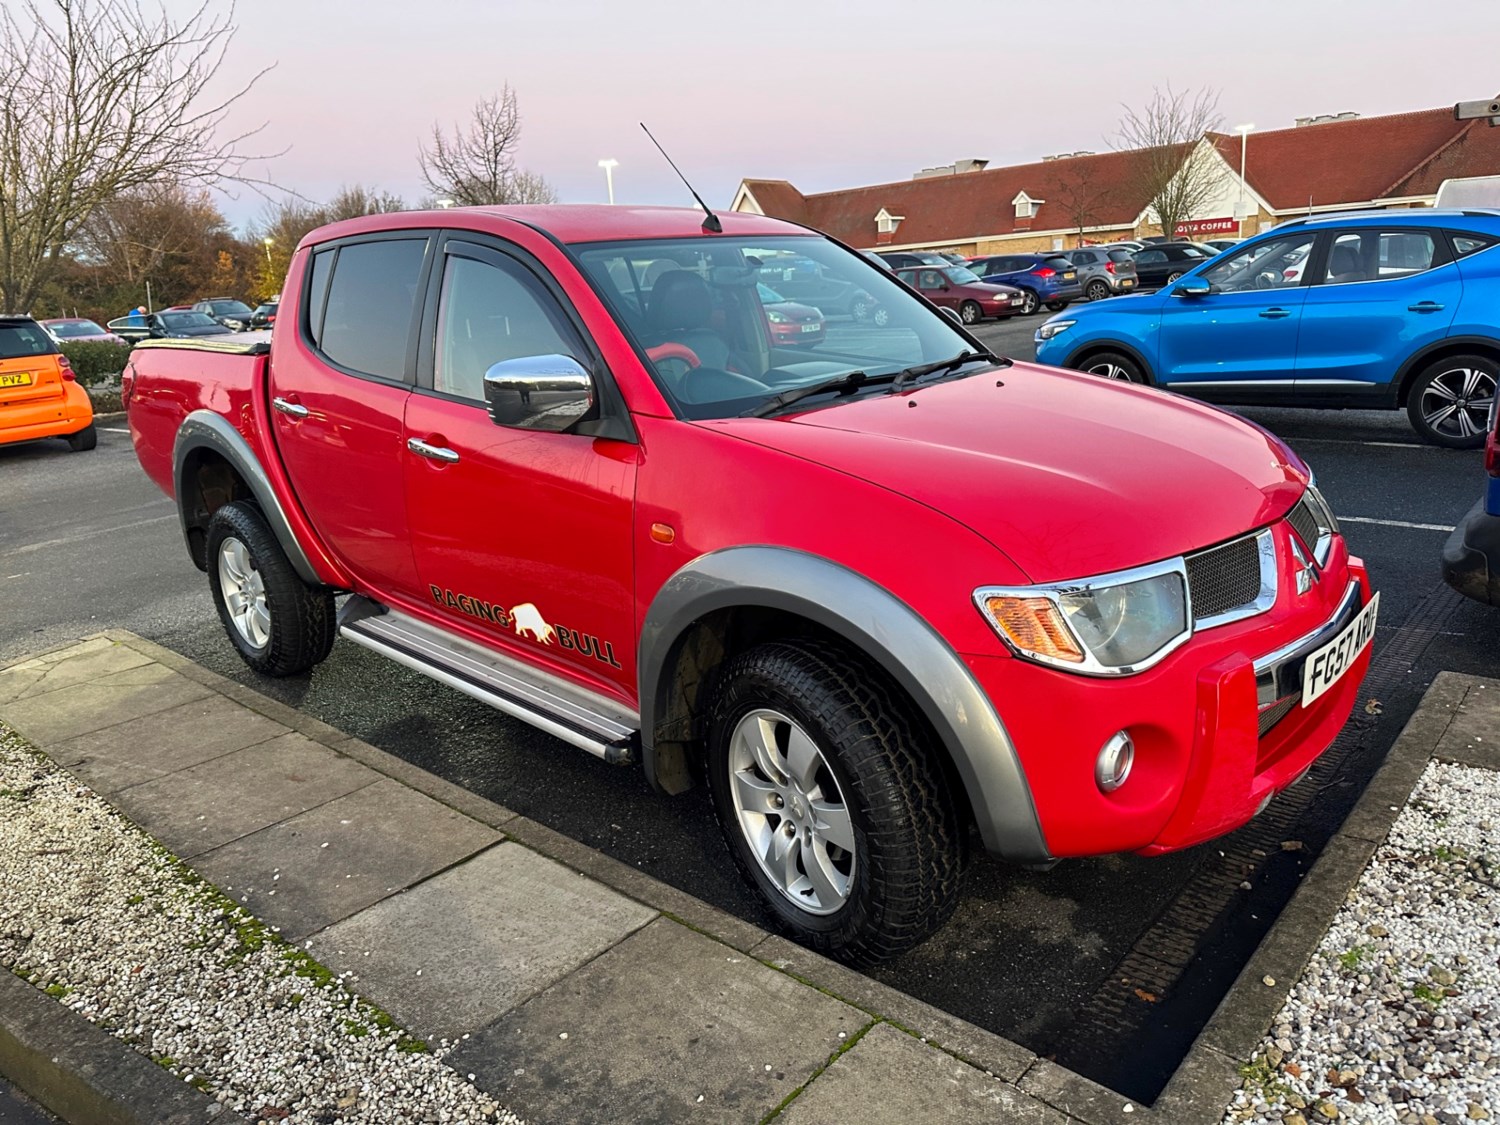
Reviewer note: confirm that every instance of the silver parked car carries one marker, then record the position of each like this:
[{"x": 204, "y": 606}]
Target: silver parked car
[{"x": 1104, "y": 270}]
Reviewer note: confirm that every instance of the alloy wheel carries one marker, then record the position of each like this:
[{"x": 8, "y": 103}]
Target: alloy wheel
[
  {"x": 1106, "y": 369},
  {"x": 791, "y": 812},
  {"x": 1457, "y": 402},
  {"x": 244, "y": 593}
]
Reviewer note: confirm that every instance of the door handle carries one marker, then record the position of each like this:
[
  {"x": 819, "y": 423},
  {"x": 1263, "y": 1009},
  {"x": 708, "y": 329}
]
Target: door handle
[
  {"x": 1274, "y": 314},
  {"x": 1425, "y": 306},
  {"x": 432, "y": 452},
  {"x": 291, "y": 409}
]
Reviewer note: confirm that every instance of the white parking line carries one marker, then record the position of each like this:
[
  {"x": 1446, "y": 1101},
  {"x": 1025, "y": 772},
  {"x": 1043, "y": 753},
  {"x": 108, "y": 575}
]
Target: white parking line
[
  {"x": 27, "y": 548},
  {"x": 1397, "y": 523},
  {"x": 1354, "y": 441},
  {"x": 113, "y": 430}
]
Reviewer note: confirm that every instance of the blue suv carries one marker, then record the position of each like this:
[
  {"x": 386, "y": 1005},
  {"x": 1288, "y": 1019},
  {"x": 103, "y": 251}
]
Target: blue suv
[
  {"x": 1043, "y": 279},
  {"x": 1374, "y": 309}
]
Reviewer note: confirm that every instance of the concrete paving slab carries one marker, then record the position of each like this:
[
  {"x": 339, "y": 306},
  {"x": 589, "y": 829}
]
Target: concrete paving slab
[
  {"x": 644, "y": 1031},
  {"x": 487, "y": 935},
  {"x": 343, "y": 856},
  {"x": 78, "y": 664},
  {"x": 204, "y": 806},
  {"x": 153, "y": 746},
  {"x": 891, "y": 1078},
  {"x": 1474, "y": 735},
  {"x": 103, "y": 702}
]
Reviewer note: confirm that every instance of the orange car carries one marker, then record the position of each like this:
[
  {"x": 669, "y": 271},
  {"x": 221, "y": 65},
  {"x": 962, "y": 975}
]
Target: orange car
[{"x": 38, "y": 395}]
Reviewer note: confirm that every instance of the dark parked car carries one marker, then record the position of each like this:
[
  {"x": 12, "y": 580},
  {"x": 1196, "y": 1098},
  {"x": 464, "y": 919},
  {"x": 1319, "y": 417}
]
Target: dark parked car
[
  {"x": 231, "y": 313},
  {"x": 264, "y": 315},
  {"x": 959, "y": 288},
  {"x": 906, "y": 259},
  {"x": 1104, "y": 271},
  {"x": 831, "y": 296},
  {"x": 169, "y": 323},
  {"x": 1043, "y": 279},
  {"x": 1164, "y": 262}
]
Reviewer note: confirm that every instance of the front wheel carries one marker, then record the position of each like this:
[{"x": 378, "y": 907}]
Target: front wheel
[
  {"x": 880, "y": 317},
  {"x": 860, "y": 309},
  {"x": 279, "y": 624},
  {"x": 1029, "y": 302},
  {"x": 1450, "y": 402},
  {"x": 831, "y": 801},
  {"x": 1171, "y": 277},
  {"x": 970, "y": 312},
  {"x": 1113, "y": 365}
]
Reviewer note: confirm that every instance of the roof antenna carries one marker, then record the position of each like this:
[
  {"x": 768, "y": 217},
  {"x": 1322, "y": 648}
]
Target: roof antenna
[{"x": 711, "y": 223}]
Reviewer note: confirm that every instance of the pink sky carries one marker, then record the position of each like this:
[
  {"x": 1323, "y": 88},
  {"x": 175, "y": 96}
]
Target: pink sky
[{"x": 824, "y": 94}]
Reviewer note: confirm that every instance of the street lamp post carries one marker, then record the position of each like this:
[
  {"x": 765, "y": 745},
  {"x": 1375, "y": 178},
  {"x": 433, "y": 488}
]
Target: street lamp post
[
  {"x": 1244, "y": 131},
  {"x": 266, "y": 242},
  {"x": 609, "y": 167}
]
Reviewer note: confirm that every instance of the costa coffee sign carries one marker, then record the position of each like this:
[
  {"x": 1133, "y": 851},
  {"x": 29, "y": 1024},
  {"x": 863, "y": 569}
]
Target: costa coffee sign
[{"x": 1208, "y": 226}]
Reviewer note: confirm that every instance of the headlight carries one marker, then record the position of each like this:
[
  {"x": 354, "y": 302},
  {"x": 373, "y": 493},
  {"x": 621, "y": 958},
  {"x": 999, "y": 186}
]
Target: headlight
[
  {"x": 1053, "y": 327},
  {"x": 1112, "y": 625},
  {"x": 1328, "y": 524},
  {"x": 776, "y": 317}
]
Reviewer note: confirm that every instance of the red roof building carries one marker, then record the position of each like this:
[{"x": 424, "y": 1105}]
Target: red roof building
[{"x": 1324, "y": 164}]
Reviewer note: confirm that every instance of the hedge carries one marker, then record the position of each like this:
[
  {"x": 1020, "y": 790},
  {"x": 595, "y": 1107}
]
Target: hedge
[{"x": 96, "y": 361}]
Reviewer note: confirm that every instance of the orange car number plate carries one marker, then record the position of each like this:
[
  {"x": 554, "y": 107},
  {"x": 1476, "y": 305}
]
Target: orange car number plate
[{"x": 20, "y": 379}]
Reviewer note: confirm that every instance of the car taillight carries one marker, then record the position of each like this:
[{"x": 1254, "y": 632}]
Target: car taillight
[
  {"x": 1044, "y": 271},
  {"x": 1491, "y": 455},
  {"x": 1109, "y": 267},
  {"x": 67, "y": 368}
]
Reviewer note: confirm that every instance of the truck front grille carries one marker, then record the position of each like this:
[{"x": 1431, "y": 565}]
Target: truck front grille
[
  {"x": 1305, "y": 524},
  {"x": 1275, "y": 713},
  {"x": 1226, "y": 579}
]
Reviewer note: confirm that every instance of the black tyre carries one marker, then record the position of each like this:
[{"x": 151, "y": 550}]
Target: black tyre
[
  {"x": 881, "y": 316},
  {"x": 860, "y": 309},
  {"x": 1171, "y": 277},
  {"x": 84, "y": 440},
  {"x": 1029, "y": 302},
  {"x": 970, "y": 312},
  {"x": 832, "y": 801},
  {"x": 280, "y": 625},
  {"x": 1057, "y": 306},
  {"x": 1113, "y": 365},
  {"x": 1449, "y": 403},
  {"x": 1098, "y": 290}
]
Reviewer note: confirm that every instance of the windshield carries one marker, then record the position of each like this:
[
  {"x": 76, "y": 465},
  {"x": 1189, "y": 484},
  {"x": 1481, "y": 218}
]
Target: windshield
[
  {"x": 265, "y": 310},
  {"x": 230, "y": 308},
  {"x": 694, "y": 308},
  {"x": 961, "y": 275},
  {"x": 71, "y": 328},
  {"x": 180, "y": 320},
  {"x": 769, "y": 296}
]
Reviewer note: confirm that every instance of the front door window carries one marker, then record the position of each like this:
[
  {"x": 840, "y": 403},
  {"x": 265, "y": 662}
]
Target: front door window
[{"x": 1277, "y": 263}]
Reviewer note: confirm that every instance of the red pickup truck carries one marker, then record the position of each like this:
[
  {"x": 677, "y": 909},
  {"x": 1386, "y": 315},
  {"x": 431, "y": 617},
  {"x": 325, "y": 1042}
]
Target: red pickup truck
[{"x": 876, "y": 592}]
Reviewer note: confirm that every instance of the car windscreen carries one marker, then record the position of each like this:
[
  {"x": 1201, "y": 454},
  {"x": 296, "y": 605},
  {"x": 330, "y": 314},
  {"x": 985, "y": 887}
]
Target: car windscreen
[
  {"x": 176, "y": 321},
  {"x": 70, "y": 328},
  {"x": 694, "y": 309},
  {"x": 19, "y": 339},
  {"x": 961, "y": 275},
  {"x": 229, "y": 308}
]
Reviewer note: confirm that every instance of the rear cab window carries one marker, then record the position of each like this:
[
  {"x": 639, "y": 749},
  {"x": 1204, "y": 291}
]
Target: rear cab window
[{"x": 365, "y": 322}]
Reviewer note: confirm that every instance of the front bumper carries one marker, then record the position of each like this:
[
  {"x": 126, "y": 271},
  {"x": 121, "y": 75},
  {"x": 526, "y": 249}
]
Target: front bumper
[
  {"x": 1203, "y": 765},
  {"x": 1471, "y": 556}
]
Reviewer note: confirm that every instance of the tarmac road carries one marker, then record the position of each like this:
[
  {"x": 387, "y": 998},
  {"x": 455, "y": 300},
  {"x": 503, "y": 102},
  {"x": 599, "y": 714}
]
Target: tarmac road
[{"x": 87, "y": 542}]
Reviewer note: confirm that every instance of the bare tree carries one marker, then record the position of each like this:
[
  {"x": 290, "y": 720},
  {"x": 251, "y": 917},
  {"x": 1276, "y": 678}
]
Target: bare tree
[
  {"x": 477, "y": 166},
  {"x": 1167, "y": 171},
  {"x": 1077, "y": 195},
  {"x": 97, "y": 98},
  {"x": 354, "y": 200}
]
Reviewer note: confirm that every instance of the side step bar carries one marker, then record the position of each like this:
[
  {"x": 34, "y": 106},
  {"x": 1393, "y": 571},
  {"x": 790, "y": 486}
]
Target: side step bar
[{"x": 574, "y": 714}]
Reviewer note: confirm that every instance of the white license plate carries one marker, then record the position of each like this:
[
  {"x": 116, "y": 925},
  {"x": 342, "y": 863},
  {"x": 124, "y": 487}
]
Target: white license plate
[
  {"x": 810, "y": 327},
  {"x": 1325, "y": 666}
]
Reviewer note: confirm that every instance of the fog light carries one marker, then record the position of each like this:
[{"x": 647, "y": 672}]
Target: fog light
[{"x": 1115, "y": 759}]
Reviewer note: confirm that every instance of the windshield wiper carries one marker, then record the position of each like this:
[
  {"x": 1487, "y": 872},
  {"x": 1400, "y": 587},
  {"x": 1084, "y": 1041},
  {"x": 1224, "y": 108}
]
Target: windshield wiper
[
  {"x": 912, "y": 374},
  {"x": 849, "y": 381}
]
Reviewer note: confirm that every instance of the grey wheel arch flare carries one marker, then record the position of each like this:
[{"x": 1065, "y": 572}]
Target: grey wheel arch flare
[
  {"x": 886, "y": 630},
  {"x": 203, "y": 429}
]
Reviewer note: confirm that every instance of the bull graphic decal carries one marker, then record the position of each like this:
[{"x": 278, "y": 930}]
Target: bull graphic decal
[{"x": 528, "y": 620}]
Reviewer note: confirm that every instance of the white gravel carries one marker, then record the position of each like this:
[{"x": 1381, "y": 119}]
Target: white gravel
[
  {"x": 101, "y": 916},
  {"x": 1397, "y": 1016}
]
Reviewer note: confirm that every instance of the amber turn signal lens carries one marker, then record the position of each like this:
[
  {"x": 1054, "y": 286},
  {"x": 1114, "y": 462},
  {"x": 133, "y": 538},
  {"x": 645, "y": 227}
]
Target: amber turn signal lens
[
  {"x": 1034, "y": 625},
  {"x": 663, "y": 532}
]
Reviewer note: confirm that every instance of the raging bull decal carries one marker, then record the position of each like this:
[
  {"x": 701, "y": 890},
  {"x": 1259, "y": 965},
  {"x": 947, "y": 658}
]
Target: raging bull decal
[{"x": 527, "y": 621}]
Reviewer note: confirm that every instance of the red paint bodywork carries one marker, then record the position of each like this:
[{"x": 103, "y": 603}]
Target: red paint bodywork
[{"x": 1023, "y": 475}]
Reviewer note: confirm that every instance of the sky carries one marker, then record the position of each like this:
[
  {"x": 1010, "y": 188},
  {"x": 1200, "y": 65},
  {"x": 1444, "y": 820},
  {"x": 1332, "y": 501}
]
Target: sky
[{"x": 824, "y": 94}]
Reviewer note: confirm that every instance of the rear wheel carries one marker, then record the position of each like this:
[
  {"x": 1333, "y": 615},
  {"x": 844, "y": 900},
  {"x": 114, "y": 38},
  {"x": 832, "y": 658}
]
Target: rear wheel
[
  {"x": 970, "y": 312},
  {"x": 881, "y": 316},
  {"x": 1171, "y": 277},
  {"x": 1113, "y": 365},
  {"x": 85, "y": 439},
  {"x": 1029, "y": 302},
  {"x": 279, "y": 624},
  {"x": 1450, "y": 402},
  {"x": 860, "y": 309},
  {"x": 1098, "y": 290},
  {"x": 832, "y": 802},
  {"x": 1057, "y": 306}
]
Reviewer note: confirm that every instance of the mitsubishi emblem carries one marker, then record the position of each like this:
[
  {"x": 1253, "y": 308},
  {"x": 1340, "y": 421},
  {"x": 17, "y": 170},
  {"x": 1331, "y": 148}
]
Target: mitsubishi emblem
[{"x": 1307, "y": 572}]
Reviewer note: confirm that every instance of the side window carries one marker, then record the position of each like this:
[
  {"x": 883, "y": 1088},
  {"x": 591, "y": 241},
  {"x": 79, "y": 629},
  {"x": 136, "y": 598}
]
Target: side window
[
  {"x": 1378, "y": 255},
  {"x": 317, "y": 293},
  {"x": 1150, "y": 257},
  {"x": 1466, "y": 244},
  {"x": 488, "y": 313},
  {"x": 367, "y": 321},
  {"x": 929, "y": 279},
  {"x": 1274, "y": 264}
]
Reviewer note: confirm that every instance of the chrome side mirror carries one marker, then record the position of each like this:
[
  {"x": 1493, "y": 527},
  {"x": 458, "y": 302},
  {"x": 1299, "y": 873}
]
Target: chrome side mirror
[
  {"x": 1192, "y": 287},
  {"x": 551, "y": 393}
]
